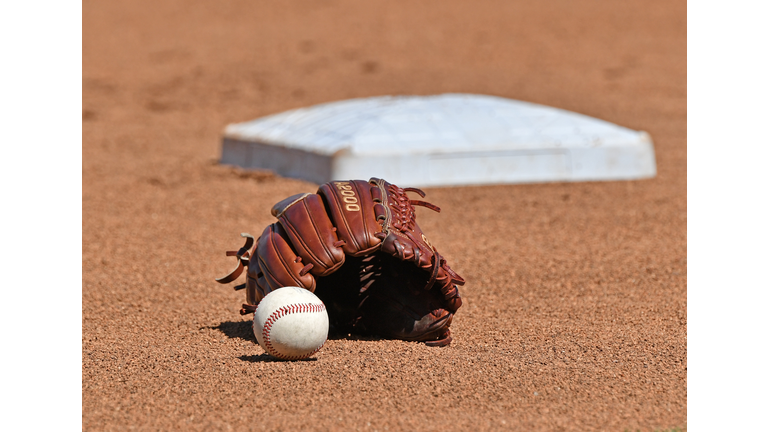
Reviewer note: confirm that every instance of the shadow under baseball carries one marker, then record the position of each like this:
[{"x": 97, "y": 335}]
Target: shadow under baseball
[
  {"x": 266, "y": 358},
  {"x": 237, "y": 330},
  {"x": 244, "y": 330}
]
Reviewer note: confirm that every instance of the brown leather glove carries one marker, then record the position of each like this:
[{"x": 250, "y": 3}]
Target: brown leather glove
[{"x": 357, "y": 246}]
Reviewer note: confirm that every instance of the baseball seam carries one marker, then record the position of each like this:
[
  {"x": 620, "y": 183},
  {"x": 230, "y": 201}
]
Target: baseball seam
[{"x": 281, "y": 312}]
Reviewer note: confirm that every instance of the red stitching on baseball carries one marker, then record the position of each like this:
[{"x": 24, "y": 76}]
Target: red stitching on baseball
[{"x": 281, "y": 312}]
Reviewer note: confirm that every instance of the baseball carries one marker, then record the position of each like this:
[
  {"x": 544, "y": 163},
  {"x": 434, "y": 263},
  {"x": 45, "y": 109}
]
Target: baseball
[{"x": 291, "y": 323}]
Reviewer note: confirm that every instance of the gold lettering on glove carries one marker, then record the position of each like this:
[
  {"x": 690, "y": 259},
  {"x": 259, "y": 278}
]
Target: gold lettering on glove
[{"x": 348, "y": 196}]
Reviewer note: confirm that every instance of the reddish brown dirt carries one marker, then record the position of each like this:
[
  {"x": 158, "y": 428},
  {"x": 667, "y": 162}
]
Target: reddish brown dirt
[{"x": 575, "y": 313}]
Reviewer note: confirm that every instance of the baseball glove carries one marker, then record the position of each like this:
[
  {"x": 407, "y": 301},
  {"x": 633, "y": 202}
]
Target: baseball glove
[{"x": 357, "y": 246}]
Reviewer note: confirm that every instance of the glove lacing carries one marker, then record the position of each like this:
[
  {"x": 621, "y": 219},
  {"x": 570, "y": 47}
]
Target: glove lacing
[{"x": 404, "y": 219}]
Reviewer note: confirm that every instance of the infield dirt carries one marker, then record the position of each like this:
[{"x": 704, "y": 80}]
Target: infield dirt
[{"x": 575, "y": 302}]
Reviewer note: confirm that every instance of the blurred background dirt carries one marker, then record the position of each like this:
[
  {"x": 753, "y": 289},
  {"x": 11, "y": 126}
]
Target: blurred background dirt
[{"x": 575, "y": 302}]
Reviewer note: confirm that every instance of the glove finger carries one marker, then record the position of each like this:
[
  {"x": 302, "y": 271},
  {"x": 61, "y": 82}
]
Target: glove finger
[
  {"x": 278, "y": 263},
  {"x": 442, "y": 340},
  {"x": 453, "y": 300},
  {"x": 256, "y": 286},
  {"x": 351, "y": 207},
  {"x": 449, "y": 288},
  {"x": 311, "y": 233}
]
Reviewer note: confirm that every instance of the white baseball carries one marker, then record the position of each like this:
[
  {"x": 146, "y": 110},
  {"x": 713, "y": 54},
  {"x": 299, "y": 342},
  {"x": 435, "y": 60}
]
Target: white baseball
[{"x": 291, "y": 323}]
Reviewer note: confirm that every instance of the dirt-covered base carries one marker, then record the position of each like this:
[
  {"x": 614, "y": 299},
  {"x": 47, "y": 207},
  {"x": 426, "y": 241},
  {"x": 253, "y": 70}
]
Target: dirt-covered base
[{"x": 575, "y": 302}]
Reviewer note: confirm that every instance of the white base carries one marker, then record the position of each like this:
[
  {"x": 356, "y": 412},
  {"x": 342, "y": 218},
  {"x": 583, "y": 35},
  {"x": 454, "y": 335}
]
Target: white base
[{"x": 439, "y": 141}]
